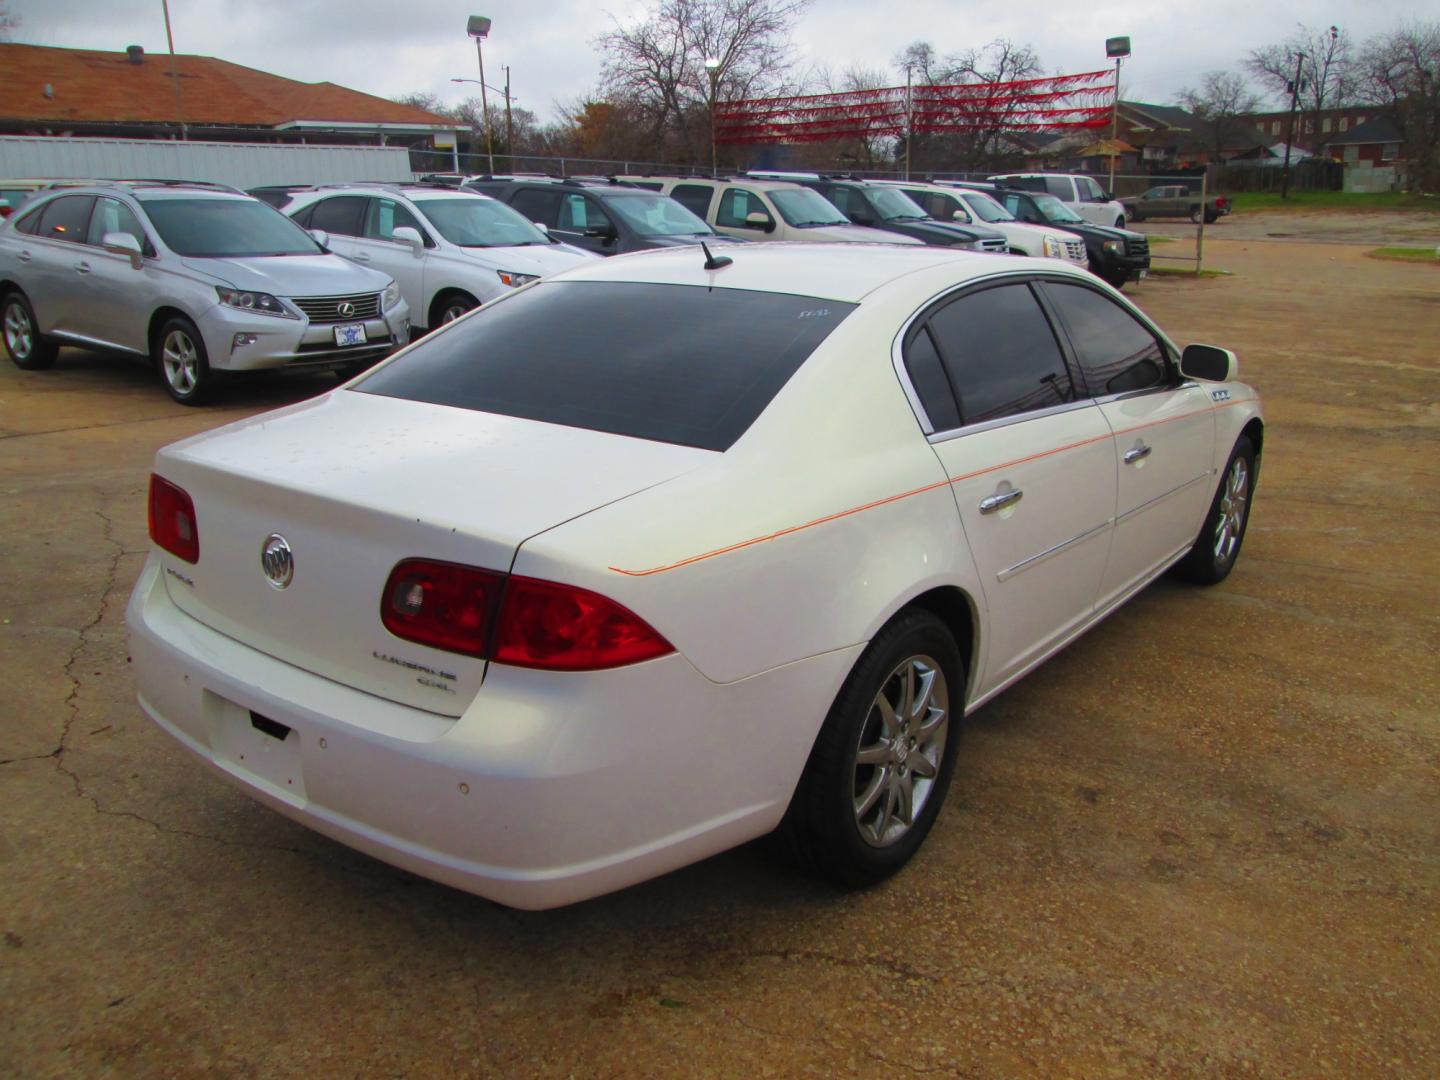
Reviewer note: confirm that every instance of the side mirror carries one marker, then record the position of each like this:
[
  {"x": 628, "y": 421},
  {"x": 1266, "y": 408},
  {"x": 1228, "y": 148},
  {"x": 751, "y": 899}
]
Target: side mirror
[
  {"x": 120, "y": 243},
  {"x": 542, "y": 227},
  {"x": 1209, "y": 362},
  {"x": 405, "y": 234},
  {"x": 321, "y": 237},
  {"x": 760, "y": 220},
  {"x": 604, "y": 233},
  {"x": 961, "y": 216}
]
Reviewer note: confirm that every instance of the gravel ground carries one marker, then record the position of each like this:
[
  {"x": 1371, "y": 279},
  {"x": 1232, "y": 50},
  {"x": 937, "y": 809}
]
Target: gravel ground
[{"x": 1204, "y": 840}]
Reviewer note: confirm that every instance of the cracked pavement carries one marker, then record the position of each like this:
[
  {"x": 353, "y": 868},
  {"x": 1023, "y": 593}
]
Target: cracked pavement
[{"x": 1203, "y": 840}]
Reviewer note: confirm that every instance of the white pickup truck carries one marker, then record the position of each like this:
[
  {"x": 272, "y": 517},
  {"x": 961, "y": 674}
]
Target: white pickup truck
[{"x": 1076, "y": 190}]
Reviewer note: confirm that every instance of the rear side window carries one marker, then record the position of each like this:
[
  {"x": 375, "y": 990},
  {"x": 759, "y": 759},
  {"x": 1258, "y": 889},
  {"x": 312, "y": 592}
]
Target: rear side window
[
  {"x": 694, "y": 197},
  {"x": 67, "y": 218},
  {"x": 669, "y": 363},
  {"x": 932, "y": 385},
  {"x": 1059, "y": 186},
  {"x": 1117, "y": 354},
  {"x": 1001, "y": 354},
  {"x": 340, "y": 215},
  {"x": 29, "y": 223}
]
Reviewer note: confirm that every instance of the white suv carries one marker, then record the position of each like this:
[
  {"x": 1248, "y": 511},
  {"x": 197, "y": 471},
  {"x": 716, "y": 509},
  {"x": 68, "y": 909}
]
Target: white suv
[
  {"x": 1076, "y": 190},
  {"x": 766, "y": 210},
  {"x": 200, "y": 277},
  {"x": 972, "y": 207},
  {"x": 450, "y": 250}
]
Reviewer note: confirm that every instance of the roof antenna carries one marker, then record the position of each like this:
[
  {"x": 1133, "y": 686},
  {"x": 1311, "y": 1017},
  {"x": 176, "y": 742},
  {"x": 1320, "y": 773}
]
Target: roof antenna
[{"x": 711, "y": 262}]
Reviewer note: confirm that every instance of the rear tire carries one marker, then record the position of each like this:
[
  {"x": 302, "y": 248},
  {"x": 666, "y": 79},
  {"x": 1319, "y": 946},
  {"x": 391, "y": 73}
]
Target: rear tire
[
  {"x": 181, "y": 360},
  {"x": 24, "y": 344},
  {"x": 1218, "y": 545},
  {"x": 882, "y": 763},
  {"x": 1197, "y": 215}
]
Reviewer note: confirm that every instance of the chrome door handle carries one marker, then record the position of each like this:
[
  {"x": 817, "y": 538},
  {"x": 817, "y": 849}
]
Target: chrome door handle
[
  {"x": 1136, "y": 453},
  {"x": 360, "y": 256},
  {"x": 24, "y": 256},
  {"x": 83, "y": 267},
  {"x": 991, "y": 503}
]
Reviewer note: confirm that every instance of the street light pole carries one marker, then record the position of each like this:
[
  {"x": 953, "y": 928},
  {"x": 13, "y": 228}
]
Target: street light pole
[
  {"x": 478, "y": 27},
  {"x": 1290, "y": 140},
  {"x": 712, "y": 67},
  {"x": 1119, "y": 48}
]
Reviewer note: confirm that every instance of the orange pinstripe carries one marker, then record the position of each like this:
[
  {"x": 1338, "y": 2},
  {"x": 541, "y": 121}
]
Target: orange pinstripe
[{"x": 915, "y": 491}]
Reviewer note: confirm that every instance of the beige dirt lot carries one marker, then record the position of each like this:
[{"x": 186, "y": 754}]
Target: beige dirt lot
[{"x": 1204, "y": 840}]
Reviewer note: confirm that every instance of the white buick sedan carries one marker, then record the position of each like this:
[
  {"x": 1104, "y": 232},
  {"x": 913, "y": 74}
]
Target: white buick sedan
[{"x": 659, "y": 555}]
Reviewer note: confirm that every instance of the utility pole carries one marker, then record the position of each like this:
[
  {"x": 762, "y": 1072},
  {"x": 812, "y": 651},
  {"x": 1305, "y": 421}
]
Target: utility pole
[
  {"x": 509, "y": 126},
  {"x": 909, "y": 118},
  {"x": 1290, "y": 139},
  {"x": 174, "y": 75}
]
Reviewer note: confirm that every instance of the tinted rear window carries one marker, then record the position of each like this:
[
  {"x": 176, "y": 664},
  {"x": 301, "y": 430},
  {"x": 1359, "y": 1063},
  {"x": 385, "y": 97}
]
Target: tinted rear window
[{"x": 671, "y": 363}]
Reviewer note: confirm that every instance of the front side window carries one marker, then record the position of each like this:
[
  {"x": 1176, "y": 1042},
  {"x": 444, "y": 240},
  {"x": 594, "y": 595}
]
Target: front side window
[
  {"x": 670, "y": 363},
  {"x": 113, "y": 216},
  {"x": 892, "y": 204},
  {"x": 694, "y": 197},
  {"x": 539, "y": 206},
  {"x": 341, "y": 216},
  {"x": 1117, "y": 353},
  {"x": 384, "y": 216},
  {"x": 226, "y": 228},
  {"x": 67, "y": 218},
  {"x": 1052, "y": 209},
  {"x": 1090, "y": 190},
  {"x": 736, "y": 205},
  {"x": 1000, "y": 354},
  {"x": 472, "y": 222},
  {"x": 987, "y": 209}
]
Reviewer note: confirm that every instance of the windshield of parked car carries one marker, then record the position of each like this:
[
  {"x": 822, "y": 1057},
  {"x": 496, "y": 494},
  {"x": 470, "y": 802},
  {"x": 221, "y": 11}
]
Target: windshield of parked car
[
  {"x": 227, "y": 228},
  {"x": 804, "y": 209},
  {"x": 1052, "y": 209},
  {"x": 670, "y": 363},
  {"x": 986, "y": 208},
  {"x": 657, "y": 215},
  {"x": 894, "y": 205},
  {"x": 472, "y": 222}
]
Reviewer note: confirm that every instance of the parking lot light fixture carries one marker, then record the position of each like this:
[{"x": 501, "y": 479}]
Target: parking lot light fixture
[{"x": 478, "y": 27}]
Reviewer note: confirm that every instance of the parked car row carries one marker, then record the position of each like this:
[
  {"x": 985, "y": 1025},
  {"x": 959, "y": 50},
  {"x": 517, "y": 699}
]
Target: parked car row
[{"x": 206, "y": 280}]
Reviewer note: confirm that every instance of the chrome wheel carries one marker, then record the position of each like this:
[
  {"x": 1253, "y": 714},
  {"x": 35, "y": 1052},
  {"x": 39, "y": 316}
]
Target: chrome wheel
[
  {"x": 19, "y": 331},
  {"x": 180, "y": 361},
  {"x": 454, "y": 310},
  {"x": 901, "y": 746},
  {"x": 1230, "y": 522}
]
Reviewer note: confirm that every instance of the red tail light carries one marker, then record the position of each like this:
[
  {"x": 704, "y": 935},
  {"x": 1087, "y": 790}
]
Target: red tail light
[
  {"x": 172, "y": 520},
  {"x": 563, "y": 628},
  {"x": 513, "y": 620},
  {"x": 443, "y": 605}
]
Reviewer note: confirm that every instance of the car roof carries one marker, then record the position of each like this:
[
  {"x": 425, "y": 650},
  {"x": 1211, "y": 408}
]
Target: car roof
[{"x": 843, "y": 272}]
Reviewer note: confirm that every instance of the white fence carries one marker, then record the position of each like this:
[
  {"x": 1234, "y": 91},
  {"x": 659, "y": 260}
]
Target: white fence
[{"x": 243, "y": 165}]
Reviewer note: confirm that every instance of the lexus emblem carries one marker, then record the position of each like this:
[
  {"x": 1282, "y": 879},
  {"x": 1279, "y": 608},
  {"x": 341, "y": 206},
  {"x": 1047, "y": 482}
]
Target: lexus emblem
[
  {"x": 277, "y": 561},
  {"x": 345, "y": 309}
]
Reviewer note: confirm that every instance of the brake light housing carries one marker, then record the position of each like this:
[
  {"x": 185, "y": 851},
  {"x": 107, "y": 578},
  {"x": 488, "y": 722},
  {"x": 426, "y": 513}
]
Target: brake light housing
[
  {"x": 172, "y": 520},
  {"x": 508, "y": 619}
]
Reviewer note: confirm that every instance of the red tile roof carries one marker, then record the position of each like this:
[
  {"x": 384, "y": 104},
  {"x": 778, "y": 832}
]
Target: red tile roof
[{"x": 105, "y": 87}]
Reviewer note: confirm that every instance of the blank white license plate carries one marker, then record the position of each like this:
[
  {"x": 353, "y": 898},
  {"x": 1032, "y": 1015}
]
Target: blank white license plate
[{"x": 350, "y": 334}]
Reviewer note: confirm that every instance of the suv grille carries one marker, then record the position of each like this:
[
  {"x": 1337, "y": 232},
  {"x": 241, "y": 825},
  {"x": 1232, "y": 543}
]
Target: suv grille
[
  {"x": 1137, "y": 246},
  {"x": 323, "y": 309},
  {"x": 1075, "y": 250},
  {"x": 995, "y": 244}
]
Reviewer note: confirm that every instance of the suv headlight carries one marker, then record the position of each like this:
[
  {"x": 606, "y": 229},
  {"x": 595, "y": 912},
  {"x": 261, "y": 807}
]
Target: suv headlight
[
  {"x": 1115, "y": 247},
  {"x": 516, "y": 280},
  {"x": 261, "y": 303},
  {"x": 1054, "y": 247},
  {"x": 391, "y": 297}
]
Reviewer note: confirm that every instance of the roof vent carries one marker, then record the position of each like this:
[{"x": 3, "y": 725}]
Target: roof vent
[{"x": 136, "y": 53}]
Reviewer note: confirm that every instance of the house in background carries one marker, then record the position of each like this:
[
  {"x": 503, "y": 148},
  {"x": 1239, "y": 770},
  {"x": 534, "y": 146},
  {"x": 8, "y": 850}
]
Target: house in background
[
  {"x": 134, "y": 95},
  {"x": 1312, "y": 129},
  {"x": 1377, "y": 141}
]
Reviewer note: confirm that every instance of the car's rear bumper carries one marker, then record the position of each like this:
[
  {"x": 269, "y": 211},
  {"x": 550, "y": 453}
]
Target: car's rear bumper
[{"x": 547, "y": 790}]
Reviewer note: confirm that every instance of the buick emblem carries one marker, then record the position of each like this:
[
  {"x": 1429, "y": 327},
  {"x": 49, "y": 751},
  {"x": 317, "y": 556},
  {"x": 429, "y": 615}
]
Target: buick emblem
[
  {"x": 277, "y": 561},
  {"x": 345, "y": 309}
]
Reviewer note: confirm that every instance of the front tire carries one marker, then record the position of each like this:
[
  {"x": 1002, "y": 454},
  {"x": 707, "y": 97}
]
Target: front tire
[
  {"x": 1120, "y": 222},
  {"x": 882, "y": 763},
  {"x": 182, "y": 362},
  {"x": 449, "y": 307},
  {"x": 24, "y": 344},
  {"x": 1218, "y": 545}
]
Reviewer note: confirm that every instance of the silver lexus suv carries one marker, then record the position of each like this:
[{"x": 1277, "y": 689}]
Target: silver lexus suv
[{"x": 200, "y": 277}]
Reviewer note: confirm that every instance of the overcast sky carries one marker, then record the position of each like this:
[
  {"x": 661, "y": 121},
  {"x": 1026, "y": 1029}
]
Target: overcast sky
[{"x": 389, "y": 48}]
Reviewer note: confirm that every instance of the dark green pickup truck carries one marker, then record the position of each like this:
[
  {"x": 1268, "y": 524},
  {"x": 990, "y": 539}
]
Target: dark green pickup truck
[{"x": 1175, "y": 200}]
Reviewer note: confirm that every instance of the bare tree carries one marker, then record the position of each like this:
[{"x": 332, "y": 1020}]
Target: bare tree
[
  {"x": 1327, "y": 70},
  {"x": 658, "y": 66},
  {"x": 1220, "y": 103},
  {"x": 1400, "y": 71}
]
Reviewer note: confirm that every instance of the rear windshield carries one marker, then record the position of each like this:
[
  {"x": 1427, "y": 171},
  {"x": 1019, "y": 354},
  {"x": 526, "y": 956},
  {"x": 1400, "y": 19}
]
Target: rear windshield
[
  {"x": 227, "y": 228},
  {"x": 670, "y": 363}
]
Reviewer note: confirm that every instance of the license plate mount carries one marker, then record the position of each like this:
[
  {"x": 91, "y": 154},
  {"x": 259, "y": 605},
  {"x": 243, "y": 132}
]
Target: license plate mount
[{"x": 350, "y": 334}]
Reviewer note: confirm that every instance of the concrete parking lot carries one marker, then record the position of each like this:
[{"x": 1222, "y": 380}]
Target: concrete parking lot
[{"x": 1204, "y": 840}]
